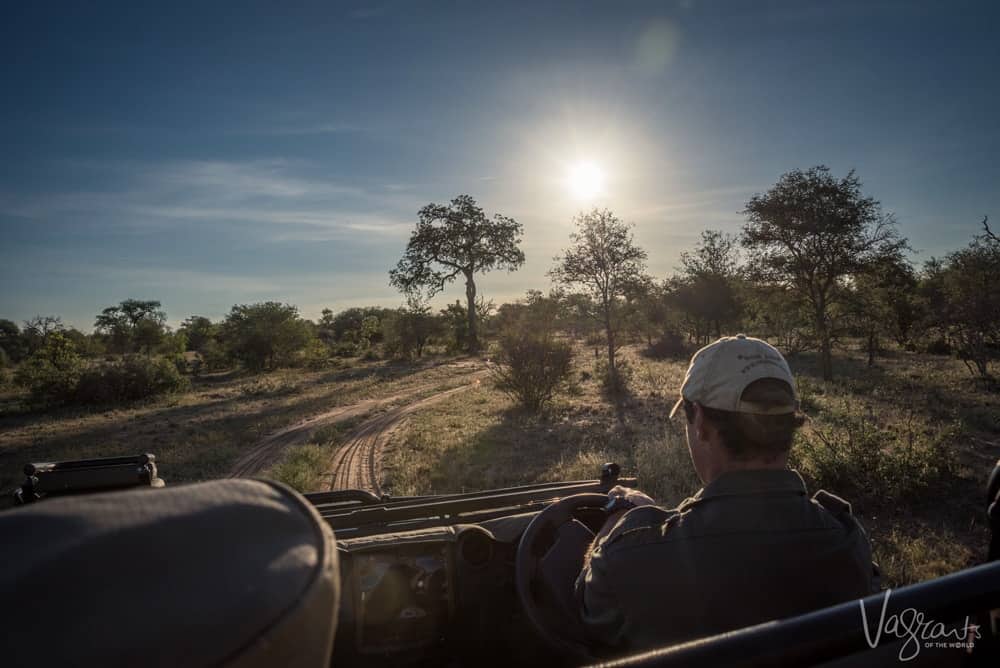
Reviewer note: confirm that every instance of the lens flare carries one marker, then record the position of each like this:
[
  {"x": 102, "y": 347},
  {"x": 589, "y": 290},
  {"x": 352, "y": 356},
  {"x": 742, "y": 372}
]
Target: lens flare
[{"x": 586, "y": 180}]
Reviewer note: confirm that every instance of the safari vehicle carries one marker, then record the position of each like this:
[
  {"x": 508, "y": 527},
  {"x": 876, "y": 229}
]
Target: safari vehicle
[{"x": 244, "y": 572}]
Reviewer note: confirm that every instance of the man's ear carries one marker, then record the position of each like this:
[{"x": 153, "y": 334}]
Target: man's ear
[{"x": 698, "y": 421}]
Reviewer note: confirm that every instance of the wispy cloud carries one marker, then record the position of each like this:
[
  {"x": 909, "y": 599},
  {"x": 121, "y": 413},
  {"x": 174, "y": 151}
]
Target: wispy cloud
[
  {"x": 272, "y": 194},
  {"x": 683, "y": 203}
]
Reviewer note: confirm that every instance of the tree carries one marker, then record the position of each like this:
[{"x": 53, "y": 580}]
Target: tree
[
  {"x": 656, "y": 319},
  {"x": 811, "y": 232},
  {"x": 604, "y": 262},
  {"x": 408, "y": 330},
  {"x": 132, "y": 324},
  {"x": 13, "y": 345},
  {"x": 964, "y": 300},
  {"x": 709, "y": 279},
  {"x": 779, "y": 313},
  {"x": 578, "y": 311},
  {"x": 359, "y": 325},
  {"x": 199, "y": 331},
  {"x": 265, "y": 334},
  {"x": 457, "y": 240},
  {"x": 880, "y": 302},
  {"x": 203, "y": 336},
  {"x": 37, "y": 330}
]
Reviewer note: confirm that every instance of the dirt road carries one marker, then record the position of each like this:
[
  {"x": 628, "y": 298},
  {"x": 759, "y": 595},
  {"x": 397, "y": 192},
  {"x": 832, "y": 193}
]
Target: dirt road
[{"x": 354, "y": 464}]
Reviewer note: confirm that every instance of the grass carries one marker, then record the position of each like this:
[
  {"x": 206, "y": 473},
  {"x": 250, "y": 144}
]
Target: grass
[
  {"x": 302, "y": 467},
  {"x": 305, "y": 467},
  {"x": 909, "y": 443},
  {"x": 480, "y": 439},
  {"x": 198, "y": 434}
]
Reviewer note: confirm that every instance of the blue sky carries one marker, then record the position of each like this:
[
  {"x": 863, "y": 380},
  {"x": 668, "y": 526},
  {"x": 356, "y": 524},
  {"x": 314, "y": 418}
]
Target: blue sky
[{"x": 208, "y": 154}]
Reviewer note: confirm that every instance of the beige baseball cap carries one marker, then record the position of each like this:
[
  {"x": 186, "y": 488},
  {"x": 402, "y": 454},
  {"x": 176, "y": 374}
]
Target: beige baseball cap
[{"x": 720, "y": 371}]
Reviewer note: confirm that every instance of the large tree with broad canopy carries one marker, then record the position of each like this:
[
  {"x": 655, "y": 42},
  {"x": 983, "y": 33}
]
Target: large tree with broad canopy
[{"x": 453, "y": 240}]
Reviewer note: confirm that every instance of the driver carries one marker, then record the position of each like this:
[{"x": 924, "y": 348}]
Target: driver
[{"x": 750, "y": 546}]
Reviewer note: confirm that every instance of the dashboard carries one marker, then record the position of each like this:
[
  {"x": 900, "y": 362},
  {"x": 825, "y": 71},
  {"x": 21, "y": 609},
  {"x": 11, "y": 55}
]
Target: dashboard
[
  {"x": 403, "y": 595},
  {"x": 415, "y": 597}
]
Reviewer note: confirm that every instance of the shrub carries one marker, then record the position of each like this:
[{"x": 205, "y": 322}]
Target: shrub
[
  {"x": 344, "y": 349},
  {"x": 938, "y": 346},
  {"x": 858, "y": 457},
  {"x": 671, "y": 345},
  {"x": 268, "y": 387},
  {"x": 180, "y": 362},
  {"x": 213, "y": 356},
  {"x": 531, "y": 366},
  {"x": 316, "y": 355},
  {"x": 408, "y": 331},
  {"x": 52, "y": 372},
  {"x": 618, "y": 384},
  {"x": 128, "y": 380},
  {"x": 264, "y": 335}
]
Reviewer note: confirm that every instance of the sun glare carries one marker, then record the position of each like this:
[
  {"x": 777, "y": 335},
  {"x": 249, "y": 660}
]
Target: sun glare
[{"x": 586, "y": 180}]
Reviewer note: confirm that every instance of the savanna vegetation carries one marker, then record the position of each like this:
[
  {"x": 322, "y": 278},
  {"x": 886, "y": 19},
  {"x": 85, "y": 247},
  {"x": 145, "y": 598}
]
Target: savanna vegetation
[{"x": 895, "y": 365}]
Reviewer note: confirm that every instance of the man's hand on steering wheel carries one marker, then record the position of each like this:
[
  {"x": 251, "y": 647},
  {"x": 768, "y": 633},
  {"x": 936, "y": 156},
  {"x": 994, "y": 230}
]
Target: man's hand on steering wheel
[{"x": 621, "y": 500}]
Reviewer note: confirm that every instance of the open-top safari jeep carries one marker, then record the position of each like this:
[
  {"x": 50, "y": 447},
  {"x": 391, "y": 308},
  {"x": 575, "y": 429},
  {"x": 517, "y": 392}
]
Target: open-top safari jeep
[{"x": 249, "y": 572}]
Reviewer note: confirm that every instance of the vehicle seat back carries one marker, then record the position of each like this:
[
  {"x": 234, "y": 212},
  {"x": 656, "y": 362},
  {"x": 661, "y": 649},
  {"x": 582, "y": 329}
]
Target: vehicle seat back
[{"x": 231, "y": 572}]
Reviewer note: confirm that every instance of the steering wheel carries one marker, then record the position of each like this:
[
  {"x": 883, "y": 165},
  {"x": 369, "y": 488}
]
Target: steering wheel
[{"x": 546, "y": 526}]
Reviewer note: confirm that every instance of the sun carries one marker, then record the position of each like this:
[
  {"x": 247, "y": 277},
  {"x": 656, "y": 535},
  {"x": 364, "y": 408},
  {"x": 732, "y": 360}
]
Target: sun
[{"x": 585, "y": 180}]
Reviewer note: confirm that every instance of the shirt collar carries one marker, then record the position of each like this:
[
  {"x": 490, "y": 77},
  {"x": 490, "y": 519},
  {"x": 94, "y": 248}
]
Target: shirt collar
[{"x": 755, "y": 481}]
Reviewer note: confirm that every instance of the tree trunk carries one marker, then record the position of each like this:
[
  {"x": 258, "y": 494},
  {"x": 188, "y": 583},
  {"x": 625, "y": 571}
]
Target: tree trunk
[
  {"x": 826, "y": 361},
  {"x": 872, "y": 345},
  {"x": 470, "y": 296},
  {"x": 610, "y": 336}
]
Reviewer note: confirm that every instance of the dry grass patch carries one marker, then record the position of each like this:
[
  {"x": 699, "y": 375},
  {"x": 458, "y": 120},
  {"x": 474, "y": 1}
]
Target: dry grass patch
[
  {"x": 909, "y": 443},
  {"x": 481, "y": 440},
  {"x": 199, "y": 434}
]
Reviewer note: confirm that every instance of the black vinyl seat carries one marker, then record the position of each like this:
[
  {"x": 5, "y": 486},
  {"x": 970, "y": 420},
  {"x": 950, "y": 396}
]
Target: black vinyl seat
[{"x": 231, "y": 572}]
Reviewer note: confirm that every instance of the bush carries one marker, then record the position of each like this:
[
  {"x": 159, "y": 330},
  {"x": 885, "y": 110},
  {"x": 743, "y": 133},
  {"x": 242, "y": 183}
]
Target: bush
[
  {"x": 213, "y": 356},
  {"x": 408, "y": 331},
  {"x": 939, "y": 346},
  {"x": 615, "y": 385},
  {"x": 857, "y": 457},
  {"x": 268, "y": 387},
  {"x": 264, "y": 335},
  {"x": 128, "y": 380},
  {"x": 344, "y": 349},
  {"x": 316, "y": 355},
  {"x": 671, "y": 345},
  {"x": 530, "y": 367},
  {"x": 52, "y": 372}
]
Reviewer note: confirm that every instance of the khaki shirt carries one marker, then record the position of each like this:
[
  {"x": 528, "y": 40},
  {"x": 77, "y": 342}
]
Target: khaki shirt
[{"x": 748, "y": 548}]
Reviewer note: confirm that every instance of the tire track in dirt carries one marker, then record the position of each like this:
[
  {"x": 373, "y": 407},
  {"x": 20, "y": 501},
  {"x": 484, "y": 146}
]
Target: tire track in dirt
[
  {"x": 268, "y": 450},
  {"x": 355, "y": 465}
]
